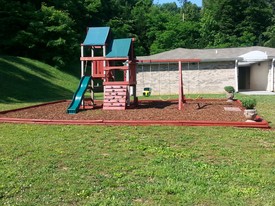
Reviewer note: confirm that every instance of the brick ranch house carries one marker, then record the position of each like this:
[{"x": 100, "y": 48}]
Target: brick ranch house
[{"x": 245, "y": 68}]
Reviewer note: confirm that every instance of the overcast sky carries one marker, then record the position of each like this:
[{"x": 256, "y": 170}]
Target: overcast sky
[{"x": 198, "y": 2}]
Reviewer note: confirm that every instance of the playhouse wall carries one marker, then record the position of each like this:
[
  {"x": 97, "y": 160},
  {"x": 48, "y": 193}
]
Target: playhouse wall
[
  {"x": 98, "y": 68},
  {"x": 207, "y": 77}
]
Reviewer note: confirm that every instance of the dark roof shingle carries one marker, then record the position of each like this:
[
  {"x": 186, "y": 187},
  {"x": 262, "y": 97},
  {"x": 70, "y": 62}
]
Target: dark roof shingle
[{"x": 218, "y": 54}]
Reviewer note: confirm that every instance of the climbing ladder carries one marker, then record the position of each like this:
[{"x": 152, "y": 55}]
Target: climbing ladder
[{"x": 115, "y": 97}]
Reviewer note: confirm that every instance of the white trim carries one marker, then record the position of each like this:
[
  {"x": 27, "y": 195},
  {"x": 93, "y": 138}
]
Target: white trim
[
  {"x": 82, "y": 62},
  {"x": 104, "y": 55},
  {"x": 272, "y": 74},
  {"x": 236, "y": 76},
  {"x": 104, "y": 62},
  {"x": 254, "y": 56},
  {"x": 92, "y": 55}
]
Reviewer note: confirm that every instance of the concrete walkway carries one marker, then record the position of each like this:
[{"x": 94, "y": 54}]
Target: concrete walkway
[{"x": 257, "y": 93}]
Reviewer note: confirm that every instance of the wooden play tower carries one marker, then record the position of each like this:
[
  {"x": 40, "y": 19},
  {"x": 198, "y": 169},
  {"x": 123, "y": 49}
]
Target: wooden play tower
[{"x": 113, "y": 61}]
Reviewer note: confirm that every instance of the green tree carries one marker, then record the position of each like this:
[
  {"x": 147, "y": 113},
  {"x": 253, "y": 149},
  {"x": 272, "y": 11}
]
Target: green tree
[
  {"x": 141, "y": 24},
  {"x": 121, "y": 21},
  {"x": 52, "y": 31},
  {"x": 85, "y": 13},
  {"x": 37, "y": 31},
  {"x": 269, "y": 34},
  {"x": 14, "y": 16},
  {"x": 169, "y": 30},
  {"x": 59, "y": 37},
  {"x": 49, "y": 37},
  {"x": 191, "y": 12},
  {"x": 227, "y": 23}
]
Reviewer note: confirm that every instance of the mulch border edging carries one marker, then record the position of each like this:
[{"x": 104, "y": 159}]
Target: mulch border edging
[
  {"x": 33, "y": 106},
  {"x": 262, "y": 124}
]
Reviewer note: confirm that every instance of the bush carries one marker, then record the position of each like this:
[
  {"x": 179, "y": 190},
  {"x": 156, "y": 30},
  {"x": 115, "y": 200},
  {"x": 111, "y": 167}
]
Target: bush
[
  {"x": 249, "y": 103},
  {"x": 229, "y": 89}
]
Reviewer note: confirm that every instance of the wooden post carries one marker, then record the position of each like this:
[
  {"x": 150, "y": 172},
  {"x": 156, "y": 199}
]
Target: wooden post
[
  {"x": 82, "y": 71},
  {"x": 92, "y": 79}
]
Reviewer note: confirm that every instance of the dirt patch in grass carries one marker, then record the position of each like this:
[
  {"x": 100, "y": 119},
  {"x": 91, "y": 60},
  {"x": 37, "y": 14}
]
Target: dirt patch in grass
[{"x": 202, "y": 109}]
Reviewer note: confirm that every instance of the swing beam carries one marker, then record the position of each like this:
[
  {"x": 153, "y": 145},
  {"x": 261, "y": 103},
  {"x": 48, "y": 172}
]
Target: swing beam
[
  {"x": 181, "y": 99},
  {"x": 169, "y": 60}
]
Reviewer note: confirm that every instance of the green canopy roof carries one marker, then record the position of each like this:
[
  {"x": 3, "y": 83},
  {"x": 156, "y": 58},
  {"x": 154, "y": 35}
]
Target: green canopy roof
[
  {"x": 119, "y": 48},
  {"x": 96, "y": 36}
]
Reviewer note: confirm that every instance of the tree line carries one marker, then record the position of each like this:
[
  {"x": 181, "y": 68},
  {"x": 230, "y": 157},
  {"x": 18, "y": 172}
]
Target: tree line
[{"x": 52, "y": 30}]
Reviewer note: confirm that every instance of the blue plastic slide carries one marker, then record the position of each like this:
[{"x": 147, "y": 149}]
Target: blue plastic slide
[{"x": 78, "y": 96}]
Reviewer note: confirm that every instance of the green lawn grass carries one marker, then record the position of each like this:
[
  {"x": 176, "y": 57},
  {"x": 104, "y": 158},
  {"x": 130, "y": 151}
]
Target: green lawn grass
[
  {"x": 97, "y": 165},
  {"x": 123, "y": 165},
  {"x": 24, "y": 80}
]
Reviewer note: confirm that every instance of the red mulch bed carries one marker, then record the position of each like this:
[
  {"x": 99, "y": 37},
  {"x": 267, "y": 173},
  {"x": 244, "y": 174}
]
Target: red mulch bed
[{"x": 210, "y": 110}]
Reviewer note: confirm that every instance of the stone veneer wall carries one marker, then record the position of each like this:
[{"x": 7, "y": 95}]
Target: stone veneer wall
[{"x": 198, "y": 78}]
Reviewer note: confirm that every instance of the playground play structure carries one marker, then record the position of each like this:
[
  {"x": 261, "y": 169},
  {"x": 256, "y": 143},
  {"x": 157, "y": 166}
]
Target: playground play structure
[{"x": 113, "y": 62}]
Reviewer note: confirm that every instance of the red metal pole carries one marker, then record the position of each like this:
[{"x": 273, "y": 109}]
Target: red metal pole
[
  {"x": 168, "y": 60},
  {"x": 180, "y": 86},
  {"x": 181, "y": 93}
]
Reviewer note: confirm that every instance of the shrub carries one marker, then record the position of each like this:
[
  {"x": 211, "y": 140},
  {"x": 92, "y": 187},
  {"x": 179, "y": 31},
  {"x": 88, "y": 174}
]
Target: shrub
[
  {"x": 249, "y": 103},
  {"x": 229, "y": 89}
]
